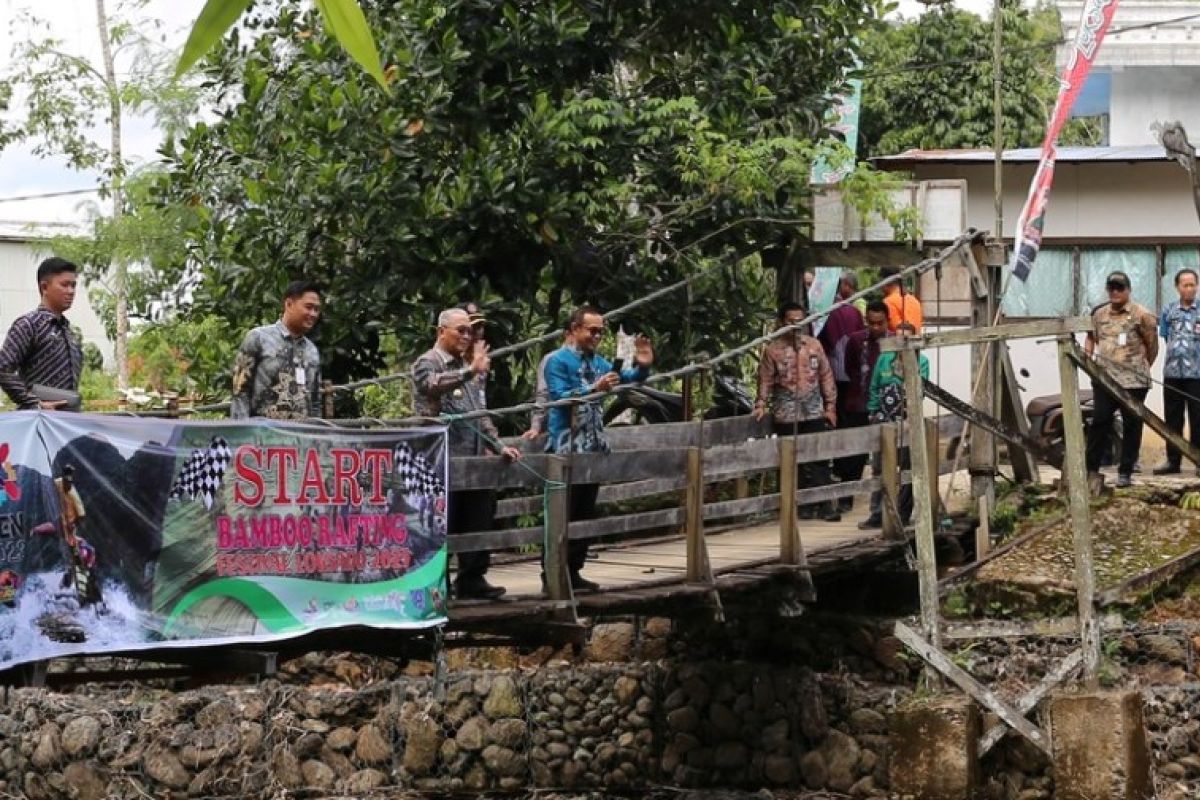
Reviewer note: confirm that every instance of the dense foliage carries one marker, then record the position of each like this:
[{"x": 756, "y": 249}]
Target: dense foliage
[
  {"x": 528, "y": 155},
  {"x": 929, "y": 80}
]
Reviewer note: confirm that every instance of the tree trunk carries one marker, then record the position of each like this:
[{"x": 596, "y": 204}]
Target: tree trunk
[{"x": 119, "y": 268}]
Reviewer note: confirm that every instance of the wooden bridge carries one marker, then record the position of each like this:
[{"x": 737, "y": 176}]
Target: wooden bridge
[{"x": 701, "y": 519}]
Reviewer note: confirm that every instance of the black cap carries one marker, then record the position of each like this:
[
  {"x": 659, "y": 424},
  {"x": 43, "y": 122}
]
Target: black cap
[{"x": 1117, "y": 277}]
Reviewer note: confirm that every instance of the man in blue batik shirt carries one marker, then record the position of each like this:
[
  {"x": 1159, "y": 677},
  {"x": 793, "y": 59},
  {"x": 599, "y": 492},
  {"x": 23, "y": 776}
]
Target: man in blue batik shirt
[
  {"x": 1179, "y": 324},
  {"x": 576, "y": 370}
]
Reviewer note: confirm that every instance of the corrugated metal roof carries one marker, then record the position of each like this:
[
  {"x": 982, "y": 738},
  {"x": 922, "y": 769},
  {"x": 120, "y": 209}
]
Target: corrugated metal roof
[
  {"x": 1150, "y": 152},
  {"x": 20, "y": 231}
]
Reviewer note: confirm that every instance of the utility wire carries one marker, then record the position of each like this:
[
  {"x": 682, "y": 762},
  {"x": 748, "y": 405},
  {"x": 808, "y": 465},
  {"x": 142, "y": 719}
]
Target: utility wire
[{"x": 914, "y": 66}]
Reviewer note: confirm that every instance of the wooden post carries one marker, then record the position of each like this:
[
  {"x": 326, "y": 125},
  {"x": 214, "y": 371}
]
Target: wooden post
[
  {"x": 935, "y": 494},
  {"x": 981, "y": 462},
  {"x": 1024, "y": 463},
  {"x": 741, "y": 488},
  {"x": 554, "y": 560},
  {"x": 983, "y": 532},
  {"x": 327, "y": 399},
  {"x": 789, "y": 545},
  {"x": 1081, "y": 513},
  {"x": 889, "y": 476},
  {"x": 693, "y": 511},
  {"x": 914, "y": 398}
]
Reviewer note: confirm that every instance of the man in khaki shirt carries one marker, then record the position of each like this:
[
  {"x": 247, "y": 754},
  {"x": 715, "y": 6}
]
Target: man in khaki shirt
[{"x": 1125, "y": 342}]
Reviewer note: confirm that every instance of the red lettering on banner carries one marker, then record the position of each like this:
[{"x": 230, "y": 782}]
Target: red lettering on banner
[
  {"x": 224, "y": 534},
  {"x": 249, "y": 474},
  {"x": 282, "y": 460},
  {"x": 313, "y": 480},
  {"x": 346, "y": 466},
  {"x": 379, "y": 464}
]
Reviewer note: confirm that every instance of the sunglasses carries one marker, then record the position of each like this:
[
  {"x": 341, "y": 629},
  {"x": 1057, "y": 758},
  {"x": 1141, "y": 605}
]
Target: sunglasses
[
  {"x": 595, "y": 331},
  {"x": 1116, "y": 287}
]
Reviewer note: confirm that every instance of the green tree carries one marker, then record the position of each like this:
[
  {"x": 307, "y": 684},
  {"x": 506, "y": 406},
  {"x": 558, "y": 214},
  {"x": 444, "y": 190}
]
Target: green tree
[
  {"x": 928, "y": 80},
  {"x": 77, "y": 109},
  {"x": 529, "y": 156}
]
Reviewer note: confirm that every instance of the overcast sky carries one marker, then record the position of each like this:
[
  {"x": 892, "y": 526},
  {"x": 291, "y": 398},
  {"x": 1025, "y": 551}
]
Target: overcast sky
[{"x": 74, "y": 23}]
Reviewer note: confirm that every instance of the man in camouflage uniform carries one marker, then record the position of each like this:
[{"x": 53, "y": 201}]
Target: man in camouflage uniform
[
  {"x": 1124, "y": 341},
  {"x": 445, "y": 383},
  {"x": 796, "y": 384},
  {"x": 277, "y": 373}
]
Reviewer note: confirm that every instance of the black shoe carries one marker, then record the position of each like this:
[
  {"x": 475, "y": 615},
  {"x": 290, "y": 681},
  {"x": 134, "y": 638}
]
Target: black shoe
[
  {"x": 832, "y": 515},
  {"x": 846, "y": 504},
  {"x": 477, "y": 589},
  {"x": 1167, "y": 468},
  {"x": 582, "y": 584},
  {"x": 870, "y": 523},
  {"x": 1124, "y": 481}
]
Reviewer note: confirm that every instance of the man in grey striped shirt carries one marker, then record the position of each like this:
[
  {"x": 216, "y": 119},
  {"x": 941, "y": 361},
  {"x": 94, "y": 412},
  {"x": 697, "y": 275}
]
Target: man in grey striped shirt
[{"x": 40, "y": 348}]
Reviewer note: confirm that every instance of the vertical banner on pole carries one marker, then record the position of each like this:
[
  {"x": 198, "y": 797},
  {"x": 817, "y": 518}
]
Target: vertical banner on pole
[{"x": 1094, "y": 23}]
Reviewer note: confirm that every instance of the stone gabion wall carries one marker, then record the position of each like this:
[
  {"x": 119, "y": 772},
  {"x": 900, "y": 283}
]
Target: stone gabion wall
[{"x": 579, "y": 726}]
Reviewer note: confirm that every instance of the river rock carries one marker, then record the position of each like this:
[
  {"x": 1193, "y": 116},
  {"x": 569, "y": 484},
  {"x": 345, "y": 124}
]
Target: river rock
[
  {"x": 626, "y": 689},
  {"x": 163, "y": 766},
  {"x": 473, "y": 733},
  {"x": 85, "y": 781},
  {"x": 683, "y": 720},
  {"x": 215, "y": 713},
  {"x": 780, "y": 770},
  {"x": 371, "y": 746},
  {"x": 508, "y": 732},
  {"x": 730, "y": 755},
  {"x": 341, "y": 739},
  {"x": 48, "y": 751},
  {"x": 610, "y": 642},
  {"x": 775, "y": 735},
  {"x": 317, "y": 774},
  {"x": 422, "y": 740},
  {"x": 868, "y": 720},
  {"x": 841, "y": 754},
  {"x": 725, "y": 724},
  {"x": 502, "y": 761},
  {"x": 503, "y": 699},
  {"x": 814, "y": 770},
  {"x": 80, "y": 736},
  {"x": 365, "y": 780},
  {"x": 286, "y": 769}
]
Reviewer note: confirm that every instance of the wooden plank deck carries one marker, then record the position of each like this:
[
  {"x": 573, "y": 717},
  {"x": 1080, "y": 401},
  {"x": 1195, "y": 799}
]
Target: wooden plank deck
[{"x": 628, "y": 565}]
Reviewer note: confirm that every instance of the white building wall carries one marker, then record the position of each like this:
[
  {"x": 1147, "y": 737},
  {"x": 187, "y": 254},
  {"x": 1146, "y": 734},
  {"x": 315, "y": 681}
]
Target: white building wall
[
  {"x": 1149, "y": 200},
  {"x": 19, "y": 294},
  {"x": 1142, "y": 96}
]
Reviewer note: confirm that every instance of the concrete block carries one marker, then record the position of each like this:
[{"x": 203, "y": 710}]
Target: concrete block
[
  {"x": 934, "y": 752},
  {"x": 1099, "y": 747}
]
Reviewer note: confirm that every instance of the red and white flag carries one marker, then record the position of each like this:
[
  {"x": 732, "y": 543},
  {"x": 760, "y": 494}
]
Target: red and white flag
[{"x": 1093, "y": 25}]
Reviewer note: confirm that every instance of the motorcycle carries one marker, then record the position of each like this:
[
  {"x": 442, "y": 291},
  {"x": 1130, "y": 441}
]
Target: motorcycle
[
  {"x": 1046, "y": 423},
  {"x": 651, "y": 406}
]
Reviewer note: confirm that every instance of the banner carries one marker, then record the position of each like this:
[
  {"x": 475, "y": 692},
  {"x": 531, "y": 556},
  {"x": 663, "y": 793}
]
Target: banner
[
  {"x": 1093, "y": 25},
  {"x": 123, "y": 534},
  {"x": 842, "y": 120}
]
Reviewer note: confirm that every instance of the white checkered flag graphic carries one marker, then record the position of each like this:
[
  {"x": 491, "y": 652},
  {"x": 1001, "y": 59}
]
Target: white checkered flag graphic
[
  {"x": 203, "y": 472},
  {"x": 415, "y": 474}
]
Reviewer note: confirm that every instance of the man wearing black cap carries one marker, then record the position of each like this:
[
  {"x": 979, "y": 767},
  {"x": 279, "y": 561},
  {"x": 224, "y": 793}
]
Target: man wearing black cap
[{"x": 1124, "y": 340}]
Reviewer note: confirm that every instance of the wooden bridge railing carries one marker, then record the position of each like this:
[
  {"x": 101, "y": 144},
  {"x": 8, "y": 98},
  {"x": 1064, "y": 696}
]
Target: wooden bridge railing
[{"x": 650, "y": 460}]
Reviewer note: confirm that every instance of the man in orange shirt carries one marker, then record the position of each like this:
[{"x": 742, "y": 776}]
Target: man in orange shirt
[{"x": 904, "y": 309}]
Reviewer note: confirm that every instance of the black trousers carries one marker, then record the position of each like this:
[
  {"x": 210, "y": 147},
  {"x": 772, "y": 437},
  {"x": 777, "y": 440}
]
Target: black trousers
[
  {"x": 581, "y": 502},
  {"x": 1099, "y": 439},
  {"x": 850, "y": 468},
  {"x": 814, "y": 473},
  {"x": 1175, "y": 405},
  {"x": 471, "y": 511}
]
